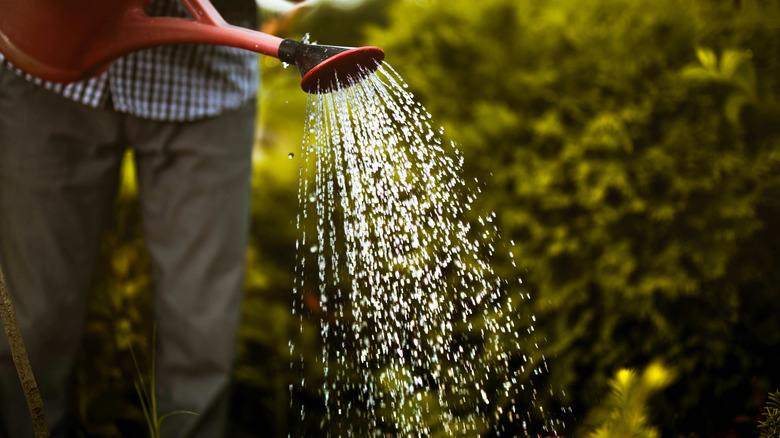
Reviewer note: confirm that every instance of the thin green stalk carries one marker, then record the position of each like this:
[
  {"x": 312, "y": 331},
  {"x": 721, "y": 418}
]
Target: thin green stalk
[
  {"x": 148, "y": 396},
  {"x": 147, "y": 414}
]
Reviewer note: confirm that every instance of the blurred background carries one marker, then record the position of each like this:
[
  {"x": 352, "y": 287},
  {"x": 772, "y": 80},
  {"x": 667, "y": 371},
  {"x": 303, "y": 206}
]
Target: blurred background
[{"x": 631, "y": 152}]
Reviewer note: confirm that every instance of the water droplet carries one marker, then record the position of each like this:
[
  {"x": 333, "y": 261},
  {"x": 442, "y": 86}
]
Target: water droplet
[{"x": 290, "y": 155}]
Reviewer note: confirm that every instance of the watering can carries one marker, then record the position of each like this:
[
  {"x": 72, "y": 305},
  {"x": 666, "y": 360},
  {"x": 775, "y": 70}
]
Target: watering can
[{"x": 69, "y": 40}]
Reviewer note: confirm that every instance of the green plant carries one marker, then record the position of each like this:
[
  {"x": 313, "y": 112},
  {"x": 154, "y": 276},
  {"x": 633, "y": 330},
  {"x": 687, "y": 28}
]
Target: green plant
[
  {"x": 119, "y": 316},
  {"x": 146, "y": 394},
  {"x": 770, "y": 422},
  {"x": 622, "y": 147},
  {"x": 734, "y": 70},
  {"x": 624, "y": 413}
]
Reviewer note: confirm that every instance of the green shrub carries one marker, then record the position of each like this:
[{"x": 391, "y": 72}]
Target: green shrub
[{"x": 630, "y": 150}]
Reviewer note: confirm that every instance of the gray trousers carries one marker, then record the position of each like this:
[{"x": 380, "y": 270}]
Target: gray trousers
[{"x": 59, "y": 166}]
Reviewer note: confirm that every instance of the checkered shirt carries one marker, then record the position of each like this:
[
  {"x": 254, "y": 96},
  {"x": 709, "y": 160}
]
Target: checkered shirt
[{"x": 174, "y": 82}]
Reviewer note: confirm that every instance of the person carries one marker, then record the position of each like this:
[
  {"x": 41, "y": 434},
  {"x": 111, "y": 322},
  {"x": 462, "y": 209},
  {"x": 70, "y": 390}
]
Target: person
[{"x": 188, "y": 111}]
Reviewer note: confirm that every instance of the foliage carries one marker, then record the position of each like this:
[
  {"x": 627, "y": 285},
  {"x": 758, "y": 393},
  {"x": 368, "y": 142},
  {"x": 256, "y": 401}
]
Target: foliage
[
  {"x": 770, "y": 424},
  {"x": 624, "y": 413},
  {"x": 628, "y": 151},
  {"x": 326, "y": 22},
  {"x": 118, "y": 322}
]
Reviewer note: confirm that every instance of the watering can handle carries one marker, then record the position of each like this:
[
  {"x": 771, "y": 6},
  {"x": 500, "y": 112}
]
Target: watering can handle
[
  {"x": 204, "y": 12},
  {"x": 139, "y": 31},
  {"x": 69, "y": 40}
]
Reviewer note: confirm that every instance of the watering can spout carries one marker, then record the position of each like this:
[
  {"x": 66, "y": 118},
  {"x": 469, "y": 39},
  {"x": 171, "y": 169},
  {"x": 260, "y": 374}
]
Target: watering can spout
[{"x": 66, "y": 41}]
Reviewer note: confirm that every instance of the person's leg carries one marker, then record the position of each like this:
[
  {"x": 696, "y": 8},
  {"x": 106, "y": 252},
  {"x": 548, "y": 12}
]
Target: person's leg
[
  {"x": 58, "y": 172},
  {"x": 194, "y": 181}
]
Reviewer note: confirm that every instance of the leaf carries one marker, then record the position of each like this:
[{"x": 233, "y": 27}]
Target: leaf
[
  {"x": 169, "y": 414},
  {"x": 707, "y": 58},
  {"x": 695, "y": 72},
  {"x": 733, "y": 107},
  {"x": 731, "y": 61}
]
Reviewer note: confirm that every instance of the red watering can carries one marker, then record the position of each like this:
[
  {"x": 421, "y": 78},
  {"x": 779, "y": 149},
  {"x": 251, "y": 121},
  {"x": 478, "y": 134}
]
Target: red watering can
[{"x": 70, "y": 40}]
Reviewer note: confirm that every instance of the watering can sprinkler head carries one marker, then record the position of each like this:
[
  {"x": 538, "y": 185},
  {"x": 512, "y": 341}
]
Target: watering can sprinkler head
[{"x": 329, "y": 68}]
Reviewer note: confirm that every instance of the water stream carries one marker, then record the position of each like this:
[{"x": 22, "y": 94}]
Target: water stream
[{"x": 419, "y": 335}]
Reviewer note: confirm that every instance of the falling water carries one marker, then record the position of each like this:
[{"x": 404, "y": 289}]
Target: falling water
[{"x": 420, "y": 337}]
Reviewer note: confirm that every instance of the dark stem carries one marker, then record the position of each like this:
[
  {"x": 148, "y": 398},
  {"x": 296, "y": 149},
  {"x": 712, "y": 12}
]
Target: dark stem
[{"x": 22, "y": 362}]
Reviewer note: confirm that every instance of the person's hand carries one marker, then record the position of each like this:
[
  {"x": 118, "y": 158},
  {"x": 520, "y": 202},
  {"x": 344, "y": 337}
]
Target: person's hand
[
  {"x": 283, "y": 12},
  {"x": 284, "y": 6}
]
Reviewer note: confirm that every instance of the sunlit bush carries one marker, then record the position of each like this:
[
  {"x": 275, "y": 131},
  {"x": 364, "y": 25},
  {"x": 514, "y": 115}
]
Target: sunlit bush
[{"x": 630, "y": 150}]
